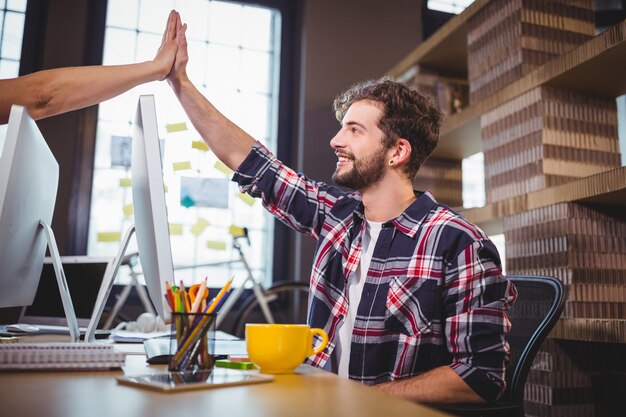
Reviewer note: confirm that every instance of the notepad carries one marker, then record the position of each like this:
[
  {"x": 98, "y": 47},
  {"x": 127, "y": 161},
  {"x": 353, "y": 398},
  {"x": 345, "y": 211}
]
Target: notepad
[{"x": 59, "y": 356}]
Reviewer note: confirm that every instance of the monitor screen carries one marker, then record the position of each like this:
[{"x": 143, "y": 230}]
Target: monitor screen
[
  {"x": 84, "y": 276},
  {"x": 29, "y": 178},
  {"x": 151, "y": 226}
]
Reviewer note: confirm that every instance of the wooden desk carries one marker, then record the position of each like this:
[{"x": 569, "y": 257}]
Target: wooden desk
[{"x": 310, "y": 392}]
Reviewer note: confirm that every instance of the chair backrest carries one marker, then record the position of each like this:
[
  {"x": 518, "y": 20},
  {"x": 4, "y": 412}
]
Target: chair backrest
[{"x": 539, "y": 305}]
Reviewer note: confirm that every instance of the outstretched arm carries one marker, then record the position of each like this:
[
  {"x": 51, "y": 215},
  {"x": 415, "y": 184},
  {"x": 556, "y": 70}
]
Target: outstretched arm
[
  {"x": 229, "y": 142},
  {"x": 439, "y": 385},
  {"x": 50, "y": 92}
]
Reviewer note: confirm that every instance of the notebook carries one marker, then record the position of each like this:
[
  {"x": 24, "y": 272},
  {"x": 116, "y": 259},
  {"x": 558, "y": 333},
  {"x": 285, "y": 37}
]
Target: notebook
[{"x": 59, "y": 356}]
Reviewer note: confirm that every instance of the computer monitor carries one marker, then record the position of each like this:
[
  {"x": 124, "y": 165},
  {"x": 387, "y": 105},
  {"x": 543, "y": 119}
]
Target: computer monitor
[
  {"x": 152, "y": 228},
  {"x": 151, "y": 225},
  {"x": 84, "y": 276},
  {"x": 29, "y": 179}
]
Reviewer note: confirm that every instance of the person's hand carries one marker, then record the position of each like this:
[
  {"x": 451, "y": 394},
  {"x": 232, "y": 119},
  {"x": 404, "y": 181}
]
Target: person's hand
[
  {"x": 179, "y": 69},
  {"x": 164, "y": 58}
]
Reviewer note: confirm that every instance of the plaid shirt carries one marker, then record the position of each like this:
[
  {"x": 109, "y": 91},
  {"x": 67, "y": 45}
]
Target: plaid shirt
[{"x": 434, "y": 294}]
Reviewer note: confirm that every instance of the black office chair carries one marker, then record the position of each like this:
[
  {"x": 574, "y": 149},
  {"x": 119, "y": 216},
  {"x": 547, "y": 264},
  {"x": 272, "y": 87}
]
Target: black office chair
[{"x": 539, "y": 305}]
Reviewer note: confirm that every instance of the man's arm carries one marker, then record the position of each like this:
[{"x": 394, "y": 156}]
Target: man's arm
[
  {"x": 225, "y": 139},
  {"x": 439, "y": 385},
  {"x": 50, "y": 92}
]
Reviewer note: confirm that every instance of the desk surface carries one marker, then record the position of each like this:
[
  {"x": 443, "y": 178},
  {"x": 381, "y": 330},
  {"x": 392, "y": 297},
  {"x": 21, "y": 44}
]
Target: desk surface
[{"x": 310, "y": 392}]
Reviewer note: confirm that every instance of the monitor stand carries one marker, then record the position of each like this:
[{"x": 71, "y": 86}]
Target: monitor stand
[
  {"x": 68, "y": 307},
  {"x": 106, "y": 286}
]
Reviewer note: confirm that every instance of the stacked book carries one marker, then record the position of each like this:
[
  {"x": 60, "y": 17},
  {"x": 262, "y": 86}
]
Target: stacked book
[
  {"x": 449, "y": 93},
  {"x": 547, "y": 137},
  {"x": 586, "y": 249},
  {"x": 509, "y": 38},
  {"x": 443, "y": 177},
  {"x": 59, "y": 356}
]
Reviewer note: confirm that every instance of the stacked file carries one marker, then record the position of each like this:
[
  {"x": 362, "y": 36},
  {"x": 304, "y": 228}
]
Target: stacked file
[
  {"x": 450, "y": 94},
  {"x": 508, "y": 39},
  {"x": 59, "y": 356},
  {"x": 443, "y": 177},
  {"x": 547, "y": 137}
]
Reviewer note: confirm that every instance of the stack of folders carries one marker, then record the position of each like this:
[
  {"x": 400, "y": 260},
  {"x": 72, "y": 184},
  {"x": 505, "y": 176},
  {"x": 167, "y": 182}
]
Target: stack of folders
[{"x": 59, "y": 356}]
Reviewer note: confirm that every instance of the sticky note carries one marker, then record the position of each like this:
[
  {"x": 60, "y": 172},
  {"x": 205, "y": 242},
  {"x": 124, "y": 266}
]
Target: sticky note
[
  {"x": 180, "y": 166},
  {"x": 176, "y": 127},
  {"x": 187, "y": 202},
  {"x": 221, "y": 167},
  {"x": 246, "y": 198},
  {"x": 199, "y": 227},
  {"x": 198, "y": 144},
  {"x": 216, "y": 245},
  {"x": 108, "y": 237},
  {"x": 125, "y": 182},
  {"x": 236, "y": 230},
  {"x": 176, "y": 229},
  {"x": 128, "y": 210}
]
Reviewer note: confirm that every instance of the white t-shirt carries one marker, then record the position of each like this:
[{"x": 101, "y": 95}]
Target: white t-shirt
[{"x": 356, "y": 282}]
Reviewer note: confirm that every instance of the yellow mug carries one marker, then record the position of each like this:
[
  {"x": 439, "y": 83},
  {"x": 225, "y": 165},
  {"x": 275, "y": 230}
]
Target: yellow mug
[{"x": 281, "y": 348}]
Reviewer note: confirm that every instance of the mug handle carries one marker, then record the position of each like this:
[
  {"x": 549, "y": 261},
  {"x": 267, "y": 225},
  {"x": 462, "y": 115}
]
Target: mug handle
[{"x": 324, "y": 337}]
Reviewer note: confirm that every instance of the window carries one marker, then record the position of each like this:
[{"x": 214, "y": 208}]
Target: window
[
  {"x": 449, "y": 6},
  {"x": 12, "y": 14},
  {"x": 234, "y": 59}
]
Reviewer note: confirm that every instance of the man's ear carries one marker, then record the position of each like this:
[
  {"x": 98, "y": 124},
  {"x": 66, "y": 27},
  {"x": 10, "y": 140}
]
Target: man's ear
[{"x": 401, "y": 151}]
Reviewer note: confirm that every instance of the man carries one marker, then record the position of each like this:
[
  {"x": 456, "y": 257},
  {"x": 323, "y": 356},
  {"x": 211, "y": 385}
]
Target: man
[
  {"x": 410, "y": 294},
  {"x": 55, "y": 91}
]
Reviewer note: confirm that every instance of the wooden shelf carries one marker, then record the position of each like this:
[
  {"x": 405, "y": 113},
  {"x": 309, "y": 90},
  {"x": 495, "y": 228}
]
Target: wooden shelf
[
  {"x": 590, "y": 330},
  {"x": 595, "y": 67},
  {"x": 605, "y": 191},
  {"x": 446, "y": 49}
]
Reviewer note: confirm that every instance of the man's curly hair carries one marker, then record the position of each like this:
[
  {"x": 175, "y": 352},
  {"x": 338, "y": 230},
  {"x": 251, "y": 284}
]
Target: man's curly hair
[{"x": 407, "y": 114}]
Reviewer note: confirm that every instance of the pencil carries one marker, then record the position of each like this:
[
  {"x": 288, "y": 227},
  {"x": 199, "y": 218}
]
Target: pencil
[{"x": 219, "y": 296}]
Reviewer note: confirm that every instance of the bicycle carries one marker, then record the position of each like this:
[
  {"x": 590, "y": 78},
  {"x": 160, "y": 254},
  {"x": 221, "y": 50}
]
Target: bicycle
[{"x": 283, "y": 302}]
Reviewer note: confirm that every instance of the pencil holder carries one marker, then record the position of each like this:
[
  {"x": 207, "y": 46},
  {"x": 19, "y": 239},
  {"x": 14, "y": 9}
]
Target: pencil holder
[{"x": 193, "y": 341}]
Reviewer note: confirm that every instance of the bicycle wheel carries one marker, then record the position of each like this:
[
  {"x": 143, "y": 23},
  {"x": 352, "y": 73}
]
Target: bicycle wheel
[{"x": 287, "y": 302}]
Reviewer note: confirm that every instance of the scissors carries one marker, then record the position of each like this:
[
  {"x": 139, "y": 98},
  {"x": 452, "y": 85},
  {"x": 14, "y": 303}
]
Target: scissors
[{"x": 193, "y": 293}]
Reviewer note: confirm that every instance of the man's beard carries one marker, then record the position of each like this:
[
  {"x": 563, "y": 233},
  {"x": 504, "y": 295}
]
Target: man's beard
[{"x": 364, "y": 173}]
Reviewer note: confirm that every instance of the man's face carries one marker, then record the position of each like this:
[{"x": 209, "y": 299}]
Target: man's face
[{"x": 358, "y": 145}]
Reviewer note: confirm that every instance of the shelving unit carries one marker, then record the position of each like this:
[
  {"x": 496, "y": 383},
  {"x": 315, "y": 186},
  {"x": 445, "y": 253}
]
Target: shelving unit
[
  {"x": 592, "y": 70},
  {"x": 592, "y": 67}
]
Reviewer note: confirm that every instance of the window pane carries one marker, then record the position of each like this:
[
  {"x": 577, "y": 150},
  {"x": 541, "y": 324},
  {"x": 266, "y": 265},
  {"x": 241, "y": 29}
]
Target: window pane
[
  {"x": 12, "y": 35},
  {"x": 225, "y": 23},
  {"x": 119, "y": 47},
  {"x": 153, "y": 15},
  {"x": 196, "y": 14},
  {"x": 9, "y": 69},
  {"x": 17, "y": 5},
  {"x": 122, "y": 13},
  {"x": 256, "y": 30}
]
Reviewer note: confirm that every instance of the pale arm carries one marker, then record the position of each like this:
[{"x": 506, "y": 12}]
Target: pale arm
[
  {"x": 50, "y": 92},
  {"x": 229, "y": 142},
  {"x": 439, "y": 385}
]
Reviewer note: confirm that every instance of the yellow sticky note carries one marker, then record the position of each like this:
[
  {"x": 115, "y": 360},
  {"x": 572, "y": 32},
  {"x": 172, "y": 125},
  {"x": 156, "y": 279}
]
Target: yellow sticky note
[
  {"x": 176, "y": 127},
  {"x": 236, "y": 230},
  {"x": 247, "y": 199},
  {"x": 128, "y": 210},
  {"x": 180, "y": 166},
  {"x": 176, "y": 229},
  {"x": 198, "y": 144},
  {"x": 108, "y": 237},
  {"x": 221, "y": 167},
  {"x": 125, "y": 182},
  {"x": 199, "y": 227},
  {"x": 216, "y": 245}
]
